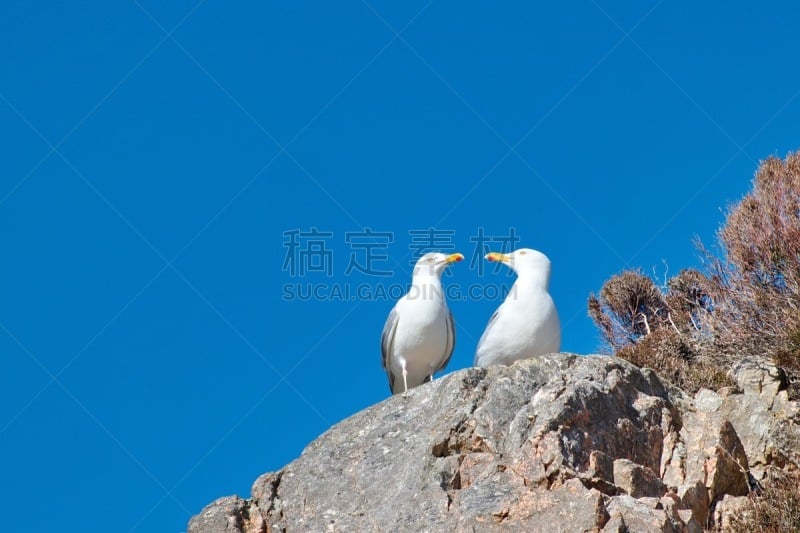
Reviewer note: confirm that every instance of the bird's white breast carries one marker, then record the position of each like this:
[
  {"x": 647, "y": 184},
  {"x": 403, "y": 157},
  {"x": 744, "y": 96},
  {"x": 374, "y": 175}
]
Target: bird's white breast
[
  {"x": 527, "y": 325},
  {"x": 421, "y": 330}
]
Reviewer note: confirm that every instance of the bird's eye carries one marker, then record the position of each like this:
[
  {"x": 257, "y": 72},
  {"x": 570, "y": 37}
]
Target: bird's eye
[
  {"x": 430, "y": 259},
  {"x": 523, "y": 252}
]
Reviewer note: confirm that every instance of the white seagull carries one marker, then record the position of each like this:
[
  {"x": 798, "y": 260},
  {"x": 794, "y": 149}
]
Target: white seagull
[
  {"x": 526, "y": 324},
  {"x": 418, "y": 338}
]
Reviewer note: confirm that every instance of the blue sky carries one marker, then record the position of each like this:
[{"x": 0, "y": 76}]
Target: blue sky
[{"x": 160, "y": 161}]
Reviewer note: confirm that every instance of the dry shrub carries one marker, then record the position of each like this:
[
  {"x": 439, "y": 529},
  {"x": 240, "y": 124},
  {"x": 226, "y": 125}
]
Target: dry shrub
[
  {"x": 757, "y": 282},
  {"x": 675, "y": 359},
  {"x": 628, "y": 308},
  {"x": 773, "y": 509},
  {"x": 659, "y": 330},
  {"x": 747, "y": 302}
]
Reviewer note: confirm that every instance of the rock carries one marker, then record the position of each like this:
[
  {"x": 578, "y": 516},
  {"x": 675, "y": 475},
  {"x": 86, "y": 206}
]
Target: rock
[
  {"x": 637, "y": 516},
  {"x": 757, "y": 424},
  {"x": 616, "y": 524},
  {"x": 570, "y": 507},
  {"x": 708, "y": 401},
  {"x": 692, "y": 525},
  {"x": 694, "y": 497},
  {"x": 555, "y": 443},
  {"x": 708, "y": 450},
  {"x": 264, "y": 494},
  {"x": 601, "y": 466},
  {"x": 726, "y": 469},
  {"x": 759, "y": 378},
  {"x": 637, "y": 480},
  {"x": 727, "y": 508},
  {"x": 600, "y": 473},
  {"x": 767, "y": 422},
  {"x": 228, "y": 515},
  {"x": 651, "y": 502}
]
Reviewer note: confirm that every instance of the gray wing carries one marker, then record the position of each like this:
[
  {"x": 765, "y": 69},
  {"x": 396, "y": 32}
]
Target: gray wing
[
  {"x": 387, "y": 344},
  {"x": 451, "y": 340},
  {"x": 491, "y": 323}
]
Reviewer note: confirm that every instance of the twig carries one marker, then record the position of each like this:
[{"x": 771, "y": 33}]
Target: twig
[{"x": 669, "y": 317}]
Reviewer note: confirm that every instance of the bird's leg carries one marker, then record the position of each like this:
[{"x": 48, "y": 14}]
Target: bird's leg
[{"x": 405, "y": 382}]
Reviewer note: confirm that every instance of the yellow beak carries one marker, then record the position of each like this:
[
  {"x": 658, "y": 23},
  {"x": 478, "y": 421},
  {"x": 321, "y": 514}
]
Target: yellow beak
[
  {"x": 454, "y": 258},
  {"x": 496, "y": 257}
]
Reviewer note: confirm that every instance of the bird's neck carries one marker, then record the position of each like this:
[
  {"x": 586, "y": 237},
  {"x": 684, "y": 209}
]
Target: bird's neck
[
  {"x": 532, "y": 281},
  {"x": 426, "y": 287}
]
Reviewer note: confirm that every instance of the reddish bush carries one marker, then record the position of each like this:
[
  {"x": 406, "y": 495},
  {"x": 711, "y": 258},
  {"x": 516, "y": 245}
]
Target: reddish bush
[
  {"x": 659, "y": 330},
  {"x": 746, "y": 303},
  {"x": 757, "y": 281}
]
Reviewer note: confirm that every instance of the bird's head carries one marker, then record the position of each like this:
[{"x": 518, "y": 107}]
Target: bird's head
[
  {"x": 523, "y": 261},
  {"x": 435, "y": 263}
]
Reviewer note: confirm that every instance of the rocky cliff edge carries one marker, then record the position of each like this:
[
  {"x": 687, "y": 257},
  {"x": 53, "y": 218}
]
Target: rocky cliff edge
[{"x": 556, "y": 443}]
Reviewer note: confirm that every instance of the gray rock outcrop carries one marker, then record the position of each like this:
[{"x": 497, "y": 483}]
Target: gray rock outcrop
[{"x": 556, "y": 443}]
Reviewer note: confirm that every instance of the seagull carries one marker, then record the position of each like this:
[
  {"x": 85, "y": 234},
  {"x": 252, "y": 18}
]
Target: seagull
[
  {"x": 418, "y": 338},
  {"x": 526, "y": 324}
]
